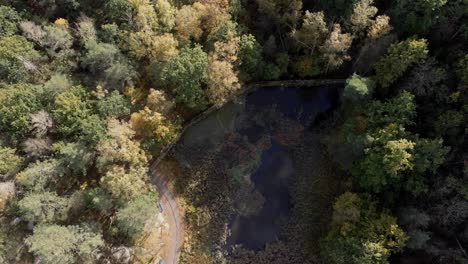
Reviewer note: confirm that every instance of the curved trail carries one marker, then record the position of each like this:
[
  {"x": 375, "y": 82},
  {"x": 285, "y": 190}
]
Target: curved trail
[
  {"x": 173, "y": 214},
  {"x": 171, "y": 208}
]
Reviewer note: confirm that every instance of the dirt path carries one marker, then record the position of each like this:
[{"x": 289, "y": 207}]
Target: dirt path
[{"x": 174, "y": 216}]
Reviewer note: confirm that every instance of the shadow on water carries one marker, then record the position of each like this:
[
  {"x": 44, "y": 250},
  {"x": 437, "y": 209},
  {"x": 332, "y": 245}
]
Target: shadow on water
[{"x": 271, "y": 179}]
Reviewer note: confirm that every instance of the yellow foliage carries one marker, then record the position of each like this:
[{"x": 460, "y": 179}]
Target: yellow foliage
[
  {"x": 151, "y": 124},
  {"x": 163, "y": 47},
  {"x": 136, "y": 95},
  {"x": 188, "y": 22},
  {"x": 120, "y": 147},
  {"x": 222, "y": 82},
  {"x": 227, "y": 51},
  {"x": 143, "y": 44},
  {"x": 61, "y": 22}
]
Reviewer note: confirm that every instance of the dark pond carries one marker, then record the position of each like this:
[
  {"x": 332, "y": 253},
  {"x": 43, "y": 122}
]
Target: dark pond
[{"x": 275, "y": 115}]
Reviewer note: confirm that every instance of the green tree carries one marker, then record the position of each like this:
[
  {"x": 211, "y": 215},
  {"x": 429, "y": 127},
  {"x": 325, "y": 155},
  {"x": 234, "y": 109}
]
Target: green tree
[
  {"x": 429, "y": 154},
  {"x": 110, "y": 33},
  {"x": 106, "y": 62},
  {"x": 74, "y": 156},
  {"x": 360, "y": 233},
  {"x": 17, "y": 103},
  {"x": 100, "y": 56},
  {"x": 70, "y": 109},
  {"x": 64, "y": 244},
  {"x": 358, "y": 88},
  {"x": 118, "y": 11},
  {"x": 37, "y": 176},
  {"x": 306, "y": 66},
  {"x": 387, "y": 164},
  {"x": 9, "y": 161},
  {"x": 399, "y": 110},
  {"x": 57, "y": 83},
  {"x": 185, "y": 74},
  {"x": 132, "y": 218},
  {"x": 9, "y": 20},
  {"x": 98, "y": 199},
  {"x": 286, "y": 13},
  {"x": 417, "y": 17},
  {"x": 17, "y": 59},
  {"x": 398, "y": 58},
  {"x": 93, "y": 129},
  {"x": 57, "y": 39},
  {"x": 225, "y": 29},
  {"x": 250, "y": 56},
  {"x": 395, "y": 160},
  {"x": 44, "y": 207},
  {"x": 449, "y": 123},
  {"x": 462, "y": 69},
  {"x": 113, "y": 105}
]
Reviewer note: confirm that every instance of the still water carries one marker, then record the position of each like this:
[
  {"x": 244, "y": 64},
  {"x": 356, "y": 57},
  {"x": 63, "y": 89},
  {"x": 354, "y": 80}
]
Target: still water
[{"x": 271, "y": 122}]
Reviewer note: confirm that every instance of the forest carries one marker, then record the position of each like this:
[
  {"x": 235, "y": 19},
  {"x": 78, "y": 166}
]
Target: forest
[{"x": 92, "y": 92}]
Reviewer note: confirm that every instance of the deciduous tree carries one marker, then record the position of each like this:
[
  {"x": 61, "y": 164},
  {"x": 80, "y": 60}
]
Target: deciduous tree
[
  {"x": 358, "y": 88},
  {"x": 153, "y": 125},
  {"x": 398, "y": 58},
  {"x": 37, "y": 176},
  {"x": 379, "y": 27},
  {"x": 222, "y": 82},
  {"x": 18, "y": 59},
  {"x": 360, "y": 232},
  {"x": 250, "y": 57},
  {"x": 188, "y": 23},
  {"x": 417, "y": 17},
  {"x": 334, "y": 49},
  {"x": 9, "y": 161},
  {"x": 313, "y": 32},
  {"x": 70, "y": 109},
  {"x": 362, "y": 16},
  {"x": 185, "y": 74},
  {"x": 158, "y": 101},
  {"x": 166, "y": 14},
  {"x": 132, "y": 218},
  {"x": 17, "y": 103},
  {"x": 43, "y": 207},
  {"x": 125, "y": 185},
  {"x": 114, "y": 105},
  {"x": 74, "y": 156},
  {"x": 9, "y": 20},
  {"x": 120, "y": 147},
  {"x": 64, "y": 244},
  {"x": 41, "y": 123},
  {"x": 36, "y": 147}
]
